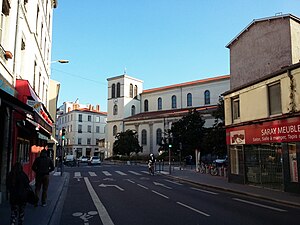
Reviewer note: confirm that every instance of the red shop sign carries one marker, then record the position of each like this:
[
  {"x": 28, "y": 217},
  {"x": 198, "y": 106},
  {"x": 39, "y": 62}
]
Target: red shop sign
[{"x": 286, "y": 130}]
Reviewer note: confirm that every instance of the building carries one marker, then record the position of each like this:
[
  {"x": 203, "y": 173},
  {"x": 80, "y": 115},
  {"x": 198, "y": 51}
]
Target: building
[
  {"x": 262, "y": 107},
  {"x": 151, "y": 112},
  {"x": 25, "y": 59},
  {"x": 85, "y": 127}
]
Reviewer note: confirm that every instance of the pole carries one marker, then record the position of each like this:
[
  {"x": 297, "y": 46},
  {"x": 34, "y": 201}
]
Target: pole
[
  {"x": 169, "y": 160},
  {"x": 61, "y": 157}
]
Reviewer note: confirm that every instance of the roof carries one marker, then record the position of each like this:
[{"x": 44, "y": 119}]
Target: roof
[
  {"x": 89, "y": 111},
  {"x": 261, "y": 20},
  {"x": 169, "y": 113},
  {"x": 203, "y": 81},
  {"x": 276, "y": 73}
]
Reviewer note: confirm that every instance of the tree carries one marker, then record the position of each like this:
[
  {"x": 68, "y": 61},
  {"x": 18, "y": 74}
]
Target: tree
[
  {"x": 127, "y": 142},
  {"x": 189, "y": 132}
]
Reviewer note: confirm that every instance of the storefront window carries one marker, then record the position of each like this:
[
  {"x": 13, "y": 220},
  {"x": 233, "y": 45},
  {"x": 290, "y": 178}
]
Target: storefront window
[
  {"x": 236, "y": 159},
  {"x": 23, "y": 150},
  {"x": 293, "y": 162}
]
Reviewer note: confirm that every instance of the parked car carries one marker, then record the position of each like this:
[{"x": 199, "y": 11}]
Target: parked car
[
  {"x": 83, "y": 159},
  {"x": 94, "y": 160}
]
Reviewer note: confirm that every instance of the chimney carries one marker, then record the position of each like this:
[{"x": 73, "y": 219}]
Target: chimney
[{"x": 98, "y": 108}]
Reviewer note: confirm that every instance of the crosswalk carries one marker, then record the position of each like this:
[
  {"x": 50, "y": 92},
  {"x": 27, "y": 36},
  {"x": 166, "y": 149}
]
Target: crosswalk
[{"x": 111, "y": 173}]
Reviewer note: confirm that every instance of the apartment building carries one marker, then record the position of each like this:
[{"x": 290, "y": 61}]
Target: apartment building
[{"x": 262, "y": 107}]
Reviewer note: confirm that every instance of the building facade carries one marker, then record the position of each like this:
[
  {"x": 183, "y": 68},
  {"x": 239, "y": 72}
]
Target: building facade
[
  {"x": 262, "y": 107},
  {"x": 25, "y": 58},
  {"x": 151, "y": 112},
  {"x": 85, "y": 128}
]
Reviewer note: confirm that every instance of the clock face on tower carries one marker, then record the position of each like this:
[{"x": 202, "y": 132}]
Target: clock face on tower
[{"x": 115, "y": 100}]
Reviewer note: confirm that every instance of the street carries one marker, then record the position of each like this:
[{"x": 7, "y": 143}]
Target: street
[{"x": 122, "y": 194}]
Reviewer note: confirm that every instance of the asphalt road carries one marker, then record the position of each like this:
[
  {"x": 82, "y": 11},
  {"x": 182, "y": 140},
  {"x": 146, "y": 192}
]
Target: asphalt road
[{"x": 128, "y": 195}]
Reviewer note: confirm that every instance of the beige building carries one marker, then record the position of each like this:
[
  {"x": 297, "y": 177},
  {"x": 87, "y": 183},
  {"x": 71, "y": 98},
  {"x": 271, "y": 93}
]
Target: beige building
[
  {"x": 262, "y": 107},
  {"x": 151, "y": 112}
]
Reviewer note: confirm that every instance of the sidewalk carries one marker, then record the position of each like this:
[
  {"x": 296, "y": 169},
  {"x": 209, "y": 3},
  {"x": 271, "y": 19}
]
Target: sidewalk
[
  {"x": 222, "y": 183},
  {"x": 41, "y": 215}
]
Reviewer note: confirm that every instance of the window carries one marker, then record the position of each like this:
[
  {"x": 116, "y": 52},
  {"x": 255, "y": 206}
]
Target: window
[
  {"x": 174, "y": 103},
  {"x": 146, "y": 105},
  {"x": 115, "y": 110},
  {"x": 79, "y": 141},
  {"x": 88, "y": 141},
  {"x": 189, "y": 99},
  {"x": 131, "y": 91},
  {"x": 207, "y": 97},
  {"x": 274, "y": 95},
  {"x": 79, "y": 128},
  {"x": 97, "y": 129},
  {"x": 159, "y": 104},
  {"x": 144, "y": 137},
  {"x": 133, "y": 110},
  {"x": 23, "y": 150},
  {"x": 1, "y": 27},
  {"x": 158, "y": 136},
  {"x": 89, "y": 118},
  {"x": 89, "y": 129},
  {"x": 135, "y": 91},
  {"x": 113, "y": 91},
  {"x": 118, "y": 90},
  {"x": 97, "y": 119},
  {"x": 80, "y": 117},
  {"x": 235, "y": 108},
  {"x": 115, "y": 130},
  {"x": 5, "y": 7}
]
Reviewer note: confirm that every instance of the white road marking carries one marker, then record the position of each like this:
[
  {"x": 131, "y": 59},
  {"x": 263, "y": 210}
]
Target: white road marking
[
  {"x": 111, "y": 185},
  {"x": 260, "y": 205},
  {"x": 92, "y": 174},
  {"x": 162, "y": 195},
  {"x": 104, "y": 216},
  {"x": 130, "y": 181},
  {"x": 162, "y": 185},
  {"x": 146, "y": 172},
  {"x": 135, "y": 173},
  {"x": 106, "y": 173},
  {"x": 173, "y": 182},
  {"x": 121, "y": 173},
  {"x": 142, "y": 186},
  {"x": 77, "y": 175},
  {"x": 205, "y": 191},
  {"x": 191, "y": 208}
]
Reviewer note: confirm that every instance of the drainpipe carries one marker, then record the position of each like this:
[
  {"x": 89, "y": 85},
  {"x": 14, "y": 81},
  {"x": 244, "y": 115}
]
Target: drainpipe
[{"x": 15, "y": 44}]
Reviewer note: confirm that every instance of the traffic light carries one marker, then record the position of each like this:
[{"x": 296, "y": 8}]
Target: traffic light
[{"x": 63, "y": 133}]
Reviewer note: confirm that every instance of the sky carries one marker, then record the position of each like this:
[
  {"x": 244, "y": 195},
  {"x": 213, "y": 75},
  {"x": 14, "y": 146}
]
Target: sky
[{"x": 161, "y": 42}]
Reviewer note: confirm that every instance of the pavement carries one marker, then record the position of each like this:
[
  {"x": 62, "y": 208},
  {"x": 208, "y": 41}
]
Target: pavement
[{"x": 50, "y": 214}]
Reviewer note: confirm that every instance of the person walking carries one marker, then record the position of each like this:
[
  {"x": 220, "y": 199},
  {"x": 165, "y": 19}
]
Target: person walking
[
  {"x": 42, "y": 166},
  {"x": 17, "y": 184}
]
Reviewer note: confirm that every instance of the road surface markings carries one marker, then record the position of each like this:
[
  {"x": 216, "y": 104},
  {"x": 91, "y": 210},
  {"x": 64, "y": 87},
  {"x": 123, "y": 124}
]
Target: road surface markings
[
  {"x": 142, "y": 186},
  {"x": 135, "y": 173},
  {"x": 108, "y": 178},
  {"x": 77, "y": 175},
  {"x": 173, "y": 182},
  {"x": 92, "y": 174},
  {"x": 162, "y": 195},
  {"x": 104, "y": 216},
  {"x": 106, "y": 173},
  {"x": 130, "y": 181},
  {"x": 144, "y": 171},
  {"x": 260, "y": 205},
  {"x": 111, "y": 185},
  {"x": 121, "y": 173},
  {"x": 162, "y": 185},
  {"x": 191, "y": 208},
  {"x": 205, "y": 191}
]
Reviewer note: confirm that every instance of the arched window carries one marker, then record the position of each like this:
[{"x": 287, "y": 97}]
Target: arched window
[
  {"x": 113, "y": 90},
  {"x": 189, "y": 99},
  {"x": 144, "y": 137},
  {"x": 158, "y": 136},
  {"x": 206, "y": 97},
  {"x": 115, "y": 110},
  {"x": 135, "y": 91},
  {"x": 159, "y": 103},
  {"x": 115, "y": 130},
  {"x": 133, "y": 110},
  {"x": 146, "y": 105},
  {"x": 118, "y": 90},
  {"x": 131, "y": 91},
  {"x": 174, "y": 103}
]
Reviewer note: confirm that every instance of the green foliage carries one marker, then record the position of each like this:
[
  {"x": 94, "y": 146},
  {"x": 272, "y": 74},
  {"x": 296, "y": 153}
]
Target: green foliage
[
  {"x": 188, "y": 131},
  {"x": 126, "y": 143}
]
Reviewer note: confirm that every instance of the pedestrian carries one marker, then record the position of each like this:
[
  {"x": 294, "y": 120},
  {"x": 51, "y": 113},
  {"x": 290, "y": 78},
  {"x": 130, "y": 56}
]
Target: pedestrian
[
  {"x": 42, "y": 166},
  {"x": 17, "y": 184}
]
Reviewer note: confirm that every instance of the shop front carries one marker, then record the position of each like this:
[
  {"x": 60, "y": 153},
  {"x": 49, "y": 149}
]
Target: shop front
[{"x": 266, "y": 154}]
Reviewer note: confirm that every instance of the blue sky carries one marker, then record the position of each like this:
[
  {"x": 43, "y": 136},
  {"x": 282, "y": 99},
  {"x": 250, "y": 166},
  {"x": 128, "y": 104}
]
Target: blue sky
[{"x": 161, "y": 42}]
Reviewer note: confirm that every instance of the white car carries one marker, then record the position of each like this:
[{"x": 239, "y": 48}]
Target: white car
[
  {"x": 94, "y": 160},
  {"x": 83, "y": 159}
]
